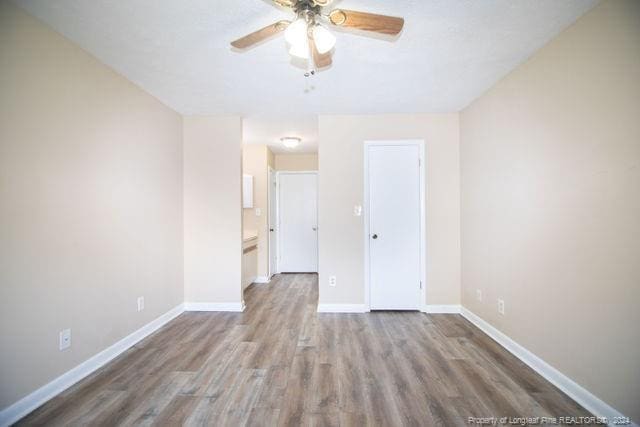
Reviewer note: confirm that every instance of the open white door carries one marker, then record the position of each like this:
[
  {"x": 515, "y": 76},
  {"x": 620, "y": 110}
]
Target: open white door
[
  {"x": 394, "y": 217},
  {"x": 273, "y": 224},
  {"x": 298, "y": 222}
]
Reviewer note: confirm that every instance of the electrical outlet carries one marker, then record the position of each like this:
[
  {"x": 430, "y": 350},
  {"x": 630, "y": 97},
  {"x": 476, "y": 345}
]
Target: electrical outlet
[
  {"x": 258, "y": 211},
  {"x": 140, "y": 303},
  {"x": 332, "y": 281},
  {"x": 501, "y": 306},
  {"x": 479, "y": 295},
  {"x": 64, "y": 339}
]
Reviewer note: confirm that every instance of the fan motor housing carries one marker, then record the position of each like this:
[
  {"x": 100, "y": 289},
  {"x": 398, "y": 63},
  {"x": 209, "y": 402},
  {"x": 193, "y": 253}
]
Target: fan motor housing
[{"x": 306, "y": 7}]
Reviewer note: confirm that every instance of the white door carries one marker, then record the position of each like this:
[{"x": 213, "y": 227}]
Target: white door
[
  {"x": 273, "y": 221},
  {"x": 394, "y": 216},
  {"x": 298, "y": 225}
]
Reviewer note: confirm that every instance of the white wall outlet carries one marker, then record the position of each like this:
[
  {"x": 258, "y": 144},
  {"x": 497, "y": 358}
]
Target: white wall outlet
[
  {"x": 357, "y": 210},
  {"x": 258, "y": 211},
  {"x": 479, "y": 294},
  {"x": 332, "y": 281},
  {"x": 64, "y": 339},
  {"x": 501, "y": 306},
  {"x": 140, "y": 303}
]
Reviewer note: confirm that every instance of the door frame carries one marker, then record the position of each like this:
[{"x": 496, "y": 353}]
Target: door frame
[
  {"x": 286, "y": 172},
  {"x": 272, "y": 193},
  {"x": 423, "y": 235}
]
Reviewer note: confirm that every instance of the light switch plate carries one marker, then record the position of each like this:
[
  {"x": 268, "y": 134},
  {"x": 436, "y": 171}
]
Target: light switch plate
[
  {"x": 140, "y": 303},
  {"x": 357, "y": 210},
  {"x": 258, "y": 211}
]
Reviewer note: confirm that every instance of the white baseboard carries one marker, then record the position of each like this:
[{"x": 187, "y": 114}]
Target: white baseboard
[
  {"x": 32, "y": 401},
  {"x": 342, "y": 308},
  {"x": 214, "y": 306},
  {"x": 590, "y": 402},
  {"x": 262, "y": 279},
  {"x": 443, "y": 309}
]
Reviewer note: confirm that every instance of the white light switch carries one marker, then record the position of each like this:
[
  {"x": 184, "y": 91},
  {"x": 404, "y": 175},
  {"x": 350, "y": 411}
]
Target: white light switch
[
  {"x": 65, "y": 339},
  {"x": 357, "y": 210},
  {"x": 258, "y": 211}
]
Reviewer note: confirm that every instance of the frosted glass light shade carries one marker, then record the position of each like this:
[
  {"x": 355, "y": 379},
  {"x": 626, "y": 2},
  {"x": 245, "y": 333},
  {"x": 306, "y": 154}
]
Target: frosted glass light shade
[
  {"x": 323, "y": 39},
  {"x": 300, "y": 50},
  {"x": 290, "y": 141},
  {"x": 296, "y": 32}
]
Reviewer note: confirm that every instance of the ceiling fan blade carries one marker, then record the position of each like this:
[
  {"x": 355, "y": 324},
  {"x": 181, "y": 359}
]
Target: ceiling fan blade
[
  {"x": 260, "y": 35},
  {"x": 366, "y": 21},
  {"x": 284, "y": 3},
  {"x": 321, "y": 60}
]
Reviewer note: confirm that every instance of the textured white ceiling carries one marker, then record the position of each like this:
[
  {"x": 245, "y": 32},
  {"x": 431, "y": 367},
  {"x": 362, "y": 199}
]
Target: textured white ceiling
[{"x": 449, "y": 53}]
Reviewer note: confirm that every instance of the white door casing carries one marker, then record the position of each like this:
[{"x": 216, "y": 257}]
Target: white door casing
[
  {"x": 297, "y": 222},
  {"x": 273, "y": 221},
  {"x": 394, "y": 224}
]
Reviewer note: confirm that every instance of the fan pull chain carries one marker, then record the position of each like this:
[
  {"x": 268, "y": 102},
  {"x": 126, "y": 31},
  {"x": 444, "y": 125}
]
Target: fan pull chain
[
  {"x": 311, "y": 70},
  {"x": 308, "y": 83}
]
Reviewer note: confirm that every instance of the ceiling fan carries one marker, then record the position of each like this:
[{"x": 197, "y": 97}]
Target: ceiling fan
[{"x": 309, "y": 39}]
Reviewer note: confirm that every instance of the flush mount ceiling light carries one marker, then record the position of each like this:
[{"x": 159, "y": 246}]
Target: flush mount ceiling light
[
  {"x": 309, "y": 39},
  {"x": 290, "y": 141}
]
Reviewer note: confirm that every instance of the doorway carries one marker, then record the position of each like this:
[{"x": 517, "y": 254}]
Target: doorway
[
  {"x": 394, "y": 225},
  {"x": 297, "y": 222}
]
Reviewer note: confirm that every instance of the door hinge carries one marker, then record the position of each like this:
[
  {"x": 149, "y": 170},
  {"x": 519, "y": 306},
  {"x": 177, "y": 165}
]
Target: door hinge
[{"x": 421, "y": 284}]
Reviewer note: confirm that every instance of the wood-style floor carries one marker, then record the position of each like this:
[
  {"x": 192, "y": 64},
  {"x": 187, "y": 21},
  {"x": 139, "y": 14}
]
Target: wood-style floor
[{"x": 281, "y": 363}]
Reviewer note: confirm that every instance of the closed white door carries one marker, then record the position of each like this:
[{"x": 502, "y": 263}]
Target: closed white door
[
  {"x": 298, "y": 225},
  {"x": 273, "y": 224},
  {"x": 394, "y": 212}
]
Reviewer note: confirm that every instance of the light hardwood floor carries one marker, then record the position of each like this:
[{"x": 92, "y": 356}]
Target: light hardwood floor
[{"x": 281, "y": 363}]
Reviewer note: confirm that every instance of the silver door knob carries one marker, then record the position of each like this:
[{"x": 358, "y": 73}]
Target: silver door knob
[
  {"x": 315, "y": 228},
  {"x": 375, "y": 236}
]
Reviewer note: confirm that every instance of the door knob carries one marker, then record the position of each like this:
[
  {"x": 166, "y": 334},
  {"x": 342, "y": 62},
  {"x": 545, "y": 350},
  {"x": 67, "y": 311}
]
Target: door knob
[
  {"x": 315, "y": 228},
  {"x": 271, "y": 229},
  {"x": 375, "y": 236}
]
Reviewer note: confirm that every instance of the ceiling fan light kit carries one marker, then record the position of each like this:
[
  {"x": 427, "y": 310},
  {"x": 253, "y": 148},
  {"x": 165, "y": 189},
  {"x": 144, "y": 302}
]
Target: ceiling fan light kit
[{"x": 309, "y": 39}]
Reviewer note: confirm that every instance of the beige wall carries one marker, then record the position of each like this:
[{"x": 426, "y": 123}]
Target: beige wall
[
  {"x": 90, "y": 205},
  {"x": 213, "y": 209},
  {"x": 271, "y": 159},
  {"x": 296, "y": 162},
  {"x": 255, "y": 162},
  {"x": 341, "y": 235},
  {"x": 551, "y": 203}
]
